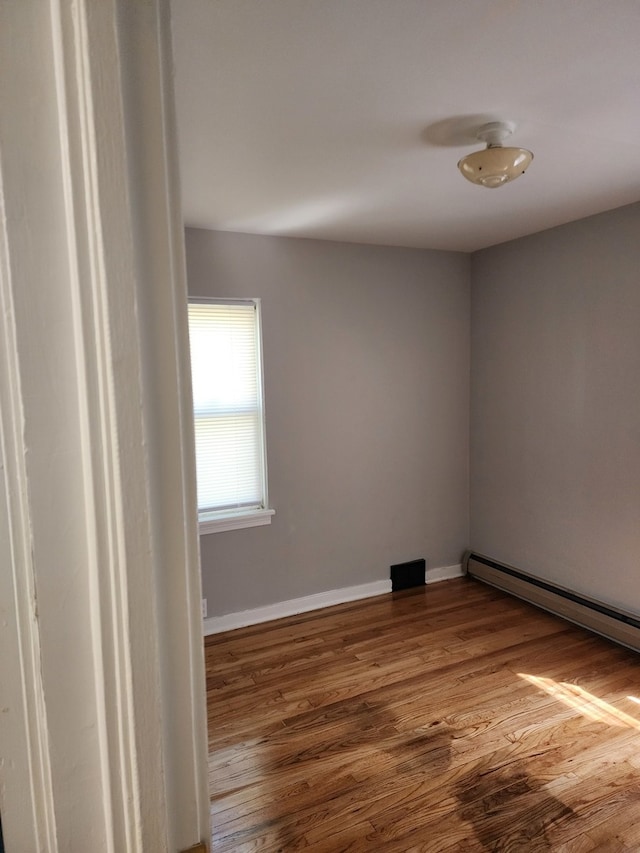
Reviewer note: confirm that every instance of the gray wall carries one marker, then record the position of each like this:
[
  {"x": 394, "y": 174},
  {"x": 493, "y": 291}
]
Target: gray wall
[
  {"x": 555, "y": 413},
  {"x": 366, "y": 360}
]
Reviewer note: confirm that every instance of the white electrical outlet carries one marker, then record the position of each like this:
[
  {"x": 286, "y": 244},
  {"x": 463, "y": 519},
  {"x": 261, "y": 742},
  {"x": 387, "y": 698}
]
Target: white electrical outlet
[{"x": 204, "y": 608}]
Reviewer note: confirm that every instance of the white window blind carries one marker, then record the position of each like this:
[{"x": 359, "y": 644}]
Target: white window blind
[{"x": 227, "y": 397}]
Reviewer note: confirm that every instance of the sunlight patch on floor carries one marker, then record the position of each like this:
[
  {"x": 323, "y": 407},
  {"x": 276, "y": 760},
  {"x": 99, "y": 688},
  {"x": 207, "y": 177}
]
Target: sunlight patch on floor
[{"x": 584, "y": 702}]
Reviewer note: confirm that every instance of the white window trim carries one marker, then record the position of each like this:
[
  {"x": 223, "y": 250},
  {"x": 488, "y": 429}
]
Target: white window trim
[{"x": 219, "y": 521}]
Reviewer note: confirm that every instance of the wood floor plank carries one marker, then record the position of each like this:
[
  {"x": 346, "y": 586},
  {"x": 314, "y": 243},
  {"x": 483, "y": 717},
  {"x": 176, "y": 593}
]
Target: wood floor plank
[{"x": 446, "y": 718}]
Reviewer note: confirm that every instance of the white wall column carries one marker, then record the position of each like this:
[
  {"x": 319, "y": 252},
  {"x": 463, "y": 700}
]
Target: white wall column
[{"x": 103, "y": 730}]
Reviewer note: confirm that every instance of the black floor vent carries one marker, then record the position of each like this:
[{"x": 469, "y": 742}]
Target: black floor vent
[{"x": 406, "y": 575}]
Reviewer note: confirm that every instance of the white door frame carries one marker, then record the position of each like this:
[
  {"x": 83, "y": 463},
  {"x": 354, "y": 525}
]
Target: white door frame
[{"x": 104, "y": 723}]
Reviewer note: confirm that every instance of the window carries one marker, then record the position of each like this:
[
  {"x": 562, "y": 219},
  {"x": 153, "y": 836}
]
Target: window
[{"x": 226, "y": 374}]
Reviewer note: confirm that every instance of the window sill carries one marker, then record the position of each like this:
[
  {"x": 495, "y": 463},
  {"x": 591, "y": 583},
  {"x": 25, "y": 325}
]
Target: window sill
[{"x": 218, "y": 522}]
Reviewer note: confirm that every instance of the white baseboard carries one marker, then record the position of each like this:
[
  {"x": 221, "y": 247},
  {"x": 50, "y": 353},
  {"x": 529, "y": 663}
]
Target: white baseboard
[
  {"x": 444, "y": 573},
  {"x": 217, "y": 624}
]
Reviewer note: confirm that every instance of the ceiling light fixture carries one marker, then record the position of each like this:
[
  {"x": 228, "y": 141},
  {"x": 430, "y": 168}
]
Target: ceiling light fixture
[{"x": 496, "y": 165}]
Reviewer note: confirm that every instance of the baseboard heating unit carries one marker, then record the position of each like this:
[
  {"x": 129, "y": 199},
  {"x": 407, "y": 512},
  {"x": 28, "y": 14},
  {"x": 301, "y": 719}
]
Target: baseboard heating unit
[{"x": 616, "y": 625}]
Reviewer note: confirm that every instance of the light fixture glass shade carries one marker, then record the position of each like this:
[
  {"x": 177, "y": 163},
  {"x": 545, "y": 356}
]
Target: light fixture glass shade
[{"x": 495, "y": 166}]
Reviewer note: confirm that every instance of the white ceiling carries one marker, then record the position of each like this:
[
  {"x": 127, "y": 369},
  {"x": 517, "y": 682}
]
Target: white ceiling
[{"x": 344, "y": 119}]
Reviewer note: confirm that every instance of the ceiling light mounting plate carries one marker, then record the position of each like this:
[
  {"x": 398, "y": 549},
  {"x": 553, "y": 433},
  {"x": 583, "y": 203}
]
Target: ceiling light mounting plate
[{"x": 495, "y": 132}]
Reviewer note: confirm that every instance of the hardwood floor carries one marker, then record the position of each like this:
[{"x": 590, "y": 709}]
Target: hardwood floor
[{"x": 448, "y": 718}]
